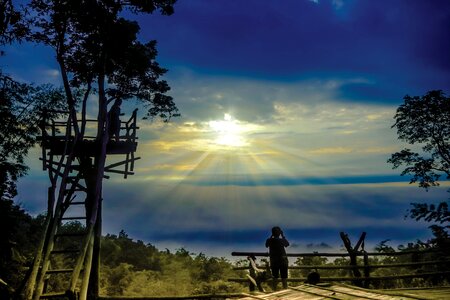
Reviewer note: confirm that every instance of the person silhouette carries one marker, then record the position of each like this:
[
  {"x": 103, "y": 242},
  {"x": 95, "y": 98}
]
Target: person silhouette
[
  {"x": 278, "y": 258},
  {"x": 114, "y": 120}
]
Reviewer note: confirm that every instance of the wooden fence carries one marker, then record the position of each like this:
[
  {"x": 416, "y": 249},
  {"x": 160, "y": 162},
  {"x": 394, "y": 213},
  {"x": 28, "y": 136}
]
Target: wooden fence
[{"x": 359, "y": 270}]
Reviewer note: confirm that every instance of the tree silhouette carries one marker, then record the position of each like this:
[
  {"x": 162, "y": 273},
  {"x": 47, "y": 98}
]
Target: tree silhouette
[
  {"x": 21, "y": 107},
  {"x": 425, "y": 121}
]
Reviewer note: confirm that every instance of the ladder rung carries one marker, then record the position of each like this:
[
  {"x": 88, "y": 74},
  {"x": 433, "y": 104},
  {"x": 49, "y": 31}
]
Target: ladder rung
[
  {"x": 53, "y": 295},
  {"x": 77, "y": 203},
  {"x": 74, "y": 190},
  {"x": 73, "y": 218},
  {"x": 65, "y": 251},
  {"x": 59, "y": 271},
  {"x": 70, "y": 234}
]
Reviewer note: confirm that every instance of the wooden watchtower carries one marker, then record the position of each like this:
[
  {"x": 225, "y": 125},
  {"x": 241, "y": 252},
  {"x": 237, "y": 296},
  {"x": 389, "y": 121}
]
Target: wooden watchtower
[{"x": 67, "y": 261}]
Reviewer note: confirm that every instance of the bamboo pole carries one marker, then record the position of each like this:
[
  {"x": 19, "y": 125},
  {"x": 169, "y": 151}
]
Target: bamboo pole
[
  {"x": 87, "y": 271},
  {"x": 38, "y": 256}
]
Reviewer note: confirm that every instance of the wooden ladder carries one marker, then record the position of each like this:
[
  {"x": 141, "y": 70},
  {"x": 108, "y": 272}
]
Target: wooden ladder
[{"x": 63, "y": 254}]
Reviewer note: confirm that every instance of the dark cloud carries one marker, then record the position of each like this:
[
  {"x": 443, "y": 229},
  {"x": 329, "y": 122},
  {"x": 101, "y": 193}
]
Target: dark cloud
[
  {"x": 272, "y": 180},
  {"x": 318, "y": 246},
  {"x": 402, "y": 43},
  {"x": 249, "y": 238},
  {"x": 368, "y": 92}
]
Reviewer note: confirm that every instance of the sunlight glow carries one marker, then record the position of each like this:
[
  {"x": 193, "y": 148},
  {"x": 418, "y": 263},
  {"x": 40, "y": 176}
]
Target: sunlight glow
[{"x": 229, "y": 132}]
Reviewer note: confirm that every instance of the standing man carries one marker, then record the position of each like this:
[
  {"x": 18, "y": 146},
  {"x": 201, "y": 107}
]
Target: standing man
[
  {"x": 114, "y": 120},
  {"x": 278, "y": 258}
]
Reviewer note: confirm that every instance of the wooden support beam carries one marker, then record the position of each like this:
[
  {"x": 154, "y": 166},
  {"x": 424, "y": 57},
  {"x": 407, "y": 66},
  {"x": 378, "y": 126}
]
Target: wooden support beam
[
  {"x": 121, "y": 163},
  {"x": 79, "y": 186},
  {"x": 119, "y": 172}
]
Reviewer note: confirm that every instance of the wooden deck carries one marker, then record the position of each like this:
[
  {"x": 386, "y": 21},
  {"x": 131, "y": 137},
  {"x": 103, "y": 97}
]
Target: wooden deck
[{"x": 346, "y": 292}]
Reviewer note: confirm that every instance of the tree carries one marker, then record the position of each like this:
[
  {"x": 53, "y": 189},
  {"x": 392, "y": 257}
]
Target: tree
[
  {"x": 425, "y": 121},
  {"x": 20, "y": 233},
  {"x": 21, "y": 108}
]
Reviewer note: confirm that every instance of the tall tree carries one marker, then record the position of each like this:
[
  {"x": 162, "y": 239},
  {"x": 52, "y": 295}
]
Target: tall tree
[{"x": 424, "y": 121}]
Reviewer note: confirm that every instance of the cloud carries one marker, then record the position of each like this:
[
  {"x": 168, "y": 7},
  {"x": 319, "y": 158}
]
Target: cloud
[
  {"x": 336, "y": 150},
  {"x": 238, "y": 214},
  {"x": 399, "y": 48},
  {"x": 262, "y": 101}
]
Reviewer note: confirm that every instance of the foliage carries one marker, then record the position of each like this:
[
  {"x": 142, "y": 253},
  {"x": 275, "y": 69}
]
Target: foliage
[
  {"x": 133, "y": 268},
  {"x": 11, "y": 25},
  {"x": 96, "y": 45},
  {"x": 21, "y": 109},
  {"x": 425, "y": 121},
  {"x": 20, "y": 234}
]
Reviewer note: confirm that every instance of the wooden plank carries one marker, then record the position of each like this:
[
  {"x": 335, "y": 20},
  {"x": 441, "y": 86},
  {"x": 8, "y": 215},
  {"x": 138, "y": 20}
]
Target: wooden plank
[
  {"x": 422, "y": 293},
  {"x": 89, "y": 147},
  {"x": 333, "y": 292},
  {"x": 191, "y": 297},
  {"x": 372, "y": 294},
  {"x": 53, "y": 295},
  {"x": 318, "y": 292},
  {"x": 119, "y": 172},
  {"x": 56, "y": 271},
  {"x": 307, "y": 267},
  {"x": 121, "y": 163}
]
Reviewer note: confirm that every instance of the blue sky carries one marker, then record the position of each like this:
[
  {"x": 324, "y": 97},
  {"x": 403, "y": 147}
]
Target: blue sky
[{"x": 286, "y": 120}]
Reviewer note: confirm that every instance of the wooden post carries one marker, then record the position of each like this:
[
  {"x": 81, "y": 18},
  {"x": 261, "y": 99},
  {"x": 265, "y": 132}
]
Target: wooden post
[
  {"x": 366, "y": 270},
  {"x": 251, "y": 285},
  {"x": 39, "y": 252},
  {"x": 94, "y": 288},
  {"x": 353, "y": 251},
  {"x": 87, "y": 272}
]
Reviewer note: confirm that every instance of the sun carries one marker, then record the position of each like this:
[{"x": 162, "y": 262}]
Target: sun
[{"x": 229, "y": 132}]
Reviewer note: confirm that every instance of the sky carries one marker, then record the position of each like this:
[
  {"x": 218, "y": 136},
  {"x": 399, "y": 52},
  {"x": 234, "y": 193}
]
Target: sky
[{"x": 286, "y": 114}]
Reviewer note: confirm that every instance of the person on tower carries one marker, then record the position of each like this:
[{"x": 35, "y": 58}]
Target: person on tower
[{"x": 114, "y": 120}]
